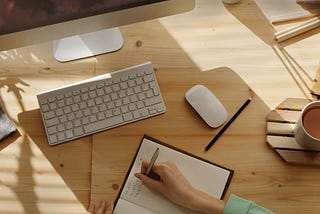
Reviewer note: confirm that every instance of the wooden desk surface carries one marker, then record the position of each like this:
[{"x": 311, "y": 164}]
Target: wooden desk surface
[{"x": 36, "y": 178}]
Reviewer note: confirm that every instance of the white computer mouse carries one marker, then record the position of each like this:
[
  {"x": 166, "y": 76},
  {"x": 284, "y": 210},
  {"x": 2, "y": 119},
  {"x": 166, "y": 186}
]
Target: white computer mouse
[{"x": 207, "y": 105}]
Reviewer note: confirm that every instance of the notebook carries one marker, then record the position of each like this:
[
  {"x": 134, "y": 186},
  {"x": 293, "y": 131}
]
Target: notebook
[{"x": 134, "y": 197}]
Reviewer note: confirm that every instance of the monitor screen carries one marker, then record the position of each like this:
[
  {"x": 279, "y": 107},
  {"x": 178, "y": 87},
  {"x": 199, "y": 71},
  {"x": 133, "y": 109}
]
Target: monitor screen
[
  {"x": 77, "y": 23},
  {"x": 21, "y": 15}
]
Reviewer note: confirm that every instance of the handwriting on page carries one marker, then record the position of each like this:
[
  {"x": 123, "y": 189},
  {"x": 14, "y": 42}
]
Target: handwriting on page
[{"x": 133, "y": 188}]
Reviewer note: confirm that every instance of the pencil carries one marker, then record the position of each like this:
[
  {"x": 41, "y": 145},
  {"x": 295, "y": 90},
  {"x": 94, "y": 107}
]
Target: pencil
[
  {"x": 244, "y": 105},
  {"x": 152, "y": 161}
]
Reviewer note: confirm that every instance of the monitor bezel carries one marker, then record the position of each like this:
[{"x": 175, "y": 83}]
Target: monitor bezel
[{"x": 94, "y": 23}]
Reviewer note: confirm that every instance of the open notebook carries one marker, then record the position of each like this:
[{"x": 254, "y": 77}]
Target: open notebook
[{"x": 134, "y": 197}]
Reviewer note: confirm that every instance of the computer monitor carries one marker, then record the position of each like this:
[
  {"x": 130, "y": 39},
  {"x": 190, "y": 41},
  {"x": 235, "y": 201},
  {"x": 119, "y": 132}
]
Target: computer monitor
[{"x": 78, "y": 28}]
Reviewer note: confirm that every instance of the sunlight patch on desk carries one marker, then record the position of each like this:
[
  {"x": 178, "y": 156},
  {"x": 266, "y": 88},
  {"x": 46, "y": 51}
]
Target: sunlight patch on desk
[
  {"x": 60, "y": 202},
  {"x": 200, "y": 34},
  {"x": 9, "y": 178},
  {"x": 51, "y": 179},
  {"x": 30, "y": 184},
  {"x": 61, "y": 208},
  {"x": 9, "y": 201}
]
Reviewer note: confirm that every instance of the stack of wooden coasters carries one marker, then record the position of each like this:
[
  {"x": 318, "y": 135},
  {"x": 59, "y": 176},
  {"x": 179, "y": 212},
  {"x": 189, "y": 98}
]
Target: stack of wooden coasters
[{"x": 280, "y": 125}]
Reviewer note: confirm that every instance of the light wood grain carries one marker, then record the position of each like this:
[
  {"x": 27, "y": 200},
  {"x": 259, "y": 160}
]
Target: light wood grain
[{"x": 213, "y": 44}]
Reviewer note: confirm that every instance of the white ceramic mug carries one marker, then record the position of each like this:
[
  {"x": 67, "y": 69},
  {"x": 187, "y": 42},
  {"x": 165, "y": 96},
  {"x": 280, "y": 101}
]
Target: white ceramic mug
[{"x": 307, "y": 128}]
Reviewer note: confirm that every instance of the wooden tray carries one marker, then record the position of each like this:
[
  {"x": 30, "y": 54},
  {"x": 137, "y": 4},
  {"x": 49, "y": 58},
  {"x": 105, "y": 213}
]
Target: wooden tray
[{"x": 280, "y": 125}]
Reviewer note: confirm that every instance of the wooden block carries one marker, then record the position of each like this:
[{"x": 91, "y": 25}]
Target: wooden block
[
  {"x": 294, "y": 104},
  {"x": 299, "y": 157},
  {"x": 289, "y": 143},
  {"x": 283, "y": 129},
  {"x": 283, "y": 116}
]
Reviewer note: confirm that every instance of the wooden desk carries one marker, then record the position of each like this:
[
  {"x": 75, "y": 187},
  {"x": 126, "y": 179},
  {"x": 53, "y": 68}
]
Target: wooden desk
[{"x": 36, "y": 178}]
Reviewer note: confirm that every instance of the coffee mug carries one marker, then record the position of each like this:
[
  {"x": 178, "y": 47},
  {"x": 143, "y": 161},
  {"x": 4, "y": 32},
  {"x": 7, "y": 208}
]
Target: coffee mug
[{"x": 307, "y": 128}]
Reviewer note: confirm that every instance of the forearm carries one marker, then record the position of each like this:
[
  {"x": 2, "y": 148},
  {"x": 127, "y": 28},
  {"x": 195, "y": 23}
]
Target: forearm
[
  {"x": 205, "y": 203},
  {"x": 239, "y": 205}
]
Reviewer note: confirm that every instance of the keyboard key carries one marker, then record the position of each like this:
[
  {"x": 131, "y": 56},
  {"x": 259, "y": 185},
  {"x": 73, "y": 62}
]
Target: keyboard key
[
  {"x": 69, "y": 134},
  {"x": 152, "y": 101},
  {"x": 52, "y": 130},
  {"x": 53, "y": 139},
  {"x": 78, "y": 131},
  {"x": 49, "y": 115},
  {"x": 102, "y": 124},
  {"x": 128, "y": 116},
  {"x": 45, "y": 108},
  {"x": 61, "y": 136},
  {"x": 52, "y": 122}
]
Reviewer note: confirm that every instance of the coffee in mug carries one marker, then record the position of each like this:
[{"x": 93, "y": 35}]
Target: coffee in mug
[{"x": 307, "y": 128}]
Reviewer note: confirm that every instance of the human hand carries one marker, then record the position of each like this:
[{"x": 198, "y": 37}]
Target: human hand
[
  {"x": 102, "y": 208},
  {"x": 172, "y": 183},
  {"x": 177, "y": 188}
]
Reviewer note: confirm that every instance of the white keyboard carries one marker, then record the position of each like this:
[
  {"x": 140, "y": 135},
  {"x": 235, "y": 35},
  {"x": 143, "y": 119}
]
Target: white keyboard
[{"x": 100, "y": 103}]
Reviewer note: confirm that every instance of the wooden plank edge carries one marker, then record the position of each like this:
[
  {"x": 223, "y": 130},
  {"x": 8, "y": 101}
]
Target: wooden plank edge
[
  {"x": 283, "y": 116},
  {"x": 309, "y": 158},
  {"x": 294, "y": 104},
  {"x": 280, "y": 129}
]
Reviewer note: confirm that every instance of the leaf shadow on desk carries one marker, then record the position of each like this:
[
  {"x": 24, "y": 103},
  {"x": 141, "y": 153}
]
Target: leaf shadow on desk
[
  {"x": 70, "y": 160},
  {"x": 11, "y": 84},
  {"x": 256, "y": 21}
]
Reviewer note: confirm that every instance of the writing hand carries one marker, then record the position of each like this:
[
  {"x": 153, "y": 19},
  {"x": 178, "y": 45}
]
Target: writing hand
[{"x": 177, "y": 188}]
